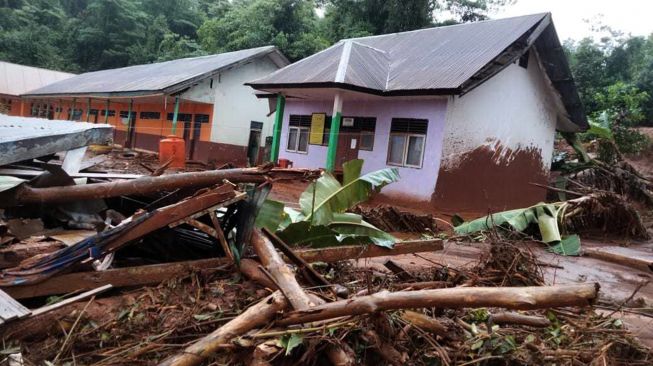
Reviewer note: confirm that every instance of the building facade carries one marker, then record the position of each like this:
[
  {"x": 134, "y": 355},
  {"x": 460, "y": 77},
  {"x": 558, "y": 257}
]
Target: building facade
[
  {"x": 220, "y": 118},
  {"x": 469, "y": 125}
]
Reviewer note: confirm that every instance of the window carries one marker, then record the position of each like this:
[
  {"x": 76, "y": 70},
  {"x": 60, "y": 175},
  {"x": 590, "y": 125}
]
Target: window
[
  {"x": 111, "y": 113},
  {"x": 76, "y": 116},
  {"x": 367, "y": 126},
  {"x": 125, "y": 114},
  {"x": 367, "y": 141},
  {"x": 298, "y": 139},
  {"x": 202, "y": 118},
  {"x": 298, "y": 133},
  {"x": 181, "y": 117},
  {"x": 407, "y": 142},
  {"x": 93, "y": 112},
  {"x": 150, "y": 115}
]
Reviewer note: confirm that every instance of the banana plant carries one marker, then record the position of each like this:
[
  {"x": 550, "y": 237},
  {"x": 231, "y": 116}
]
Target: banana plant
[
  {"x": 546, "y": 216},
  {"x": 323, "y": 220}
]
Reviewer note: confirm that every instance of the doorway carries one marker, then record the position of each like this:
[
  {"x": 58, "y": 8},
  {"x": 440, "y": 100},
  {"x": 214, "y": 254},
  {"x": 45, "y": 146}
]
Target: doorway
[
  {"x": 254, "y": 143},
  {"x": 348, "y": 146}
]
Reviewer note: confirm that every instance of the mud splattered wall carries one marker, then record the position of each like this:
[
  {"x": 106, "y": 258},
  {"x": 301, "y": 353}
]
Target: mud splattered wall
[
  {"x": 416, "y": 184},
  {"x": 498, "y": 138}
]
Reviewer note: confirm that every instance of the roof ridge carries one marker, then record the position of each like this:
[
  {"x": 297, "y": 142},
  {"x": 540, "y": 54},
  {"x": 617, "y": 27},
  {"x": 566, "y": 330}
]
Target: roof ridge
[{"x": 444, "y": 26}]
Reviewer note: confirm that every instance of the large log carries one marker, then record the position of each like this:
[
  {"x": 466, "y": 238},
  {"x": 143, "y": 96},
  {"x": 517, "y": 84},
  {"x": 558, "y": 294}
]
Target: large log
[
  {"x": 517, "y": 298},
  {"x": 25, "y": 194},
  {"x": 258, "y": 315}
]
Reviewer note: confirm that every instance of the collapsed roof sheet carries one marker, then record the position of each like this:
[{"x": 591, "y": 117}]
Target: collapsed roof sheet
[{"x": 23, "y": 138}]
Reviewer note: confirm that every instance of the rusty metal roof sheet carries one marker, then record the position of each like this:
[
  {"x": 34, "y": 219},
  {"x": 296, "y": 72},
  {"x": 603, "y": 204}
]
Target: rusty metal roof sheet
[
  {"x": 443, "y": 60},
  {"x": 161, "y": 77},
  {"x": 18, "y": 79}
]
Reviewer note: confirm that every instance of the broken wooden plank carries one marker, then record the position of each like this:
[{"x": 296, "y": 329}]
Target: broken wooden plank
[
  {"x": 11, "y": 309},
  {"x": 157, "y": 273},
  {"x": 109, "y": 241},
  {"x": 12, "y": 255},
  {"x": 339, "y": 253},
  {"x": 70, "y": 300},
  {"x": 119, "y": 277}
]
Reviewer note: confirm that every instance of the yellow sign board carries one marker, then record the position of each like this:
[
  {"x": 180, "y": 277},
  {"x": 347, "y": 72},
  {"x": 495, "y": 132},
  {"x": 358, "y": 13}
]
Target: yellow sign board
[{"x": 317, "y": 128}]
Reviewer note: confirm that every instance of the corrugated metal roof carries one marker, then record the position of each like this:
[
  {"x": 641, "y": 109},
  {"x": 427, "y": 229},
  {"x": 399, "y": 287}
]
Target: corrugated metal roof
[
  {"x": 442, "y": 60},
  {"x": 154, "y": 78},
  {"x": 18, "y": 79}
]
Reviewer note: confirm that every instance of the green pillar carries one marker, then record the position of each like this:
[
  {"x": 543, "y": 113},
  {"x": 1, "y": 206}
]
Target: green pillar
[
  {"x": 276, "y": 130},
  {"x": 88, "y": 109},
  {"x": 333, "y": 133},
  {"x": 72, "y": 109},
  {"x": 175, "y": 114},
  {"x": 130, "y": 143},
  {"x": 106, "y": 112}
]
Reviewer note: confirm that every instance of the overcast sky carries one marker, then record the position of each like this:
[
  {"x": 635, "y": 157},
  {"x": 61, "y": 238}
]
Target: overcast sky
[{"x": 629, "y": 16}]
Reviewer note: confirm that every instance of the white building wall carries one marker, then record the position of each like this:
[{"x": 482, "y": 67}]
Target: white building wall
[
  {"x": 236, "y": 104},
  {"x": 512, "y": 111}
]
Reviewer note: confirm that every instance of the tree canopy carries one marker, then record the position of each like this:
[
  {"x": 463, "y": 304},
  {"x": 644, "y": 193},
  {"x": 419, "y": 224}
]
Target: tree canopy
[{"x": 87, "y": 35}]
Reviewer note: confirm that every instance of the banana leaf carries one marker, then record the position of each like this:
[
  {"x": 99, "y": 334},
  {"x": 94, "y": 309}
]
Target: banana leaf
[
  {"x": 270, "y": 215},
  {"x": 545, "y": 216},
  {"x": 327, "y": 196},
  {"x": 364, "y": 230}
]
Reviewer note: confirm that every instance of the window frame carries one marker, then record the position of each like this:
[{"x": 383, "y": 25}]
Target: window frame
[
  {"x": 404, "y": 157},
  {"x": 296, "y": 147},
  {"x": 371, "y": 133}
]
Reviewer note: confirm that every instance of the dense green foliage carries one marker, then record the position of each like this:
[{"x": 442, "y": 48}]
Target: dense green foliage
[
  {"x": 86, "y": 35},
  {"x": 615, "y": 79}
]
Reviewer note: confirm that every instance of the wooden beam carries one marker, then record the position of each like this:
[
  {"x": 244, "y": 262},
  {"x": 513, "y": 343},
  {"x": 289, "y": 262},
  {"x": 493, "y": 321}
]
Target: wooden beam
[
  {"x": 12, "y": 255},
  {"x": 335, "y": 254},
  {"x": 157, "y": 273},
  {"x": 119, "y": 277},
  {"x": 70, "y": 300}
]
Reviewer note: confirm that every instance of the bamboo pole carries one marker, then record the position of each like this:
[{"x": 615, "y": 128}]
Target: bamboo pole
[
  {"x": 258, "y": 315},
  {"x": 517, "y": 298}
]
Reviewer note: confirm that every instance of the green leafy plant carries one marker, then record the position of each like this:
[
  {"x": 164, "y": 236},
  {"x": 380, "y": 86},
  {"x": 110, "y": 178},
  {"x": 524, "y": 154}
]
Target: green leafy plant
[
  {"x": 546, "y": 216},
  {"x": 323, "y": 220}
]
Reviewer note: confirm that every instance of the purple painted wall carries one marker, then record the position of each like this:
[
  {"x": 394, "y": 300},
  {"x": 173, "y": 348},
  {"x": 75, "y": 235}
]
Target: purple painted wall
[{"x": 415, "y": 184}]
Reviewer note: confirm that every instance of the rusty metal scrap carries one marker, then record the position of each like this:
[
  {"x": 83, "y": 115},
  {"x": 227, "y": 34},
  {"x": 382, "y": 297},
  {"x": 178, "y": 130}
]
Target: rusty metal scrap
[{"x": 25, "y": 194}]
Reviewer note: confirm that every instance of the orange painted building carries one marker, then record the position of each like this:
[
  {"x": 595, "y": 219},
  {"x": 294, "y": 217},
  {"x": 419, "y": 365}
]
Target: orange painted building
[{"x": 219, "y": 117}]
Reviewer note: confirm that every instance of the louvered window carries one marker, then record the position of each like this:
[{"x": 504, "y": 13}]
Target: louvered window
[
  {"x": 202, "y": 118},
  {"x": 407, "y": 142},
  {"x": 181, "y": 117}
]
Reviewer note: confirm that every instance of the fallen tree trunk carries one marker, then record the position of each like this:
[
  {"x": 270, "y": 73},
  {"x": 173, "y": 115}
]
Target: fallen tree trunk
[
  {"x": 25, "y": 194},
  {"x": 281, "y": 274},
  {"x": 632, "y": 261},
  {"x": 258, "y": 315},
  {"x": 340, "y": 253},
  {"x": 285, "y": 280},
  {"x": 517, "y": 298}
]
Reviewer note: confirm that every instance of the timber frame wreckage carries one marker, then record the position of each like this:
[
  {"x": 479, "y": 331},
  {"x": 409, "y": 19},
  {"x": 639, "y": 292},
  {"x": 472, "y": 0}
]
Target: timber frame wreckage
[{"x": 110, "y": 255}]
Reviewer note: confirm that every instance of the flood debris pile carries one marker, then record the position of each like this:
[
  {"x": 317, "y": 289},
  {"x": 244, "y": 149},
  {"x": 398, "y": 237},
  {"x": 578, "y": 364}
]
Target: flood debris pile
[
  {"x": 198, "y": 268},
  {"x": 393, "y": 219}
]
